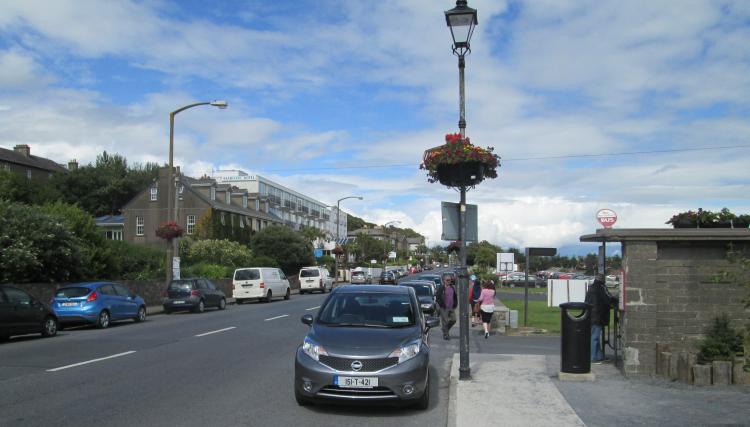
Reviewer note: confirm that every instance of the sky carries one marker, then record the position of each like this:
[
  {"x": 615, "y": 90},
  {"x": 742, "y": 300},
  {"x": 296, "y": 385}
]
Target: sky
[{"x": 641, "y": 107}]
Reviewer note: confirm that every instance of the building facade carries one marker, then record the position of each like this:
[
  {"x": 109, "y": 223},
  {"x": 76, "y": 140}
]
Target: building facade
[
  {"x": 20, "y": 161},
  {"x": 294, "y": 208}
]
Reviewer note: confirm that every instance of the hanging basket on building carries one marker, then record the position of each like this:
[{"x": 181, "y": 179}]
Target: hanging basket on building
[
  {"x": 458, "y": 163},
  {"x": 169, "y": 230}
]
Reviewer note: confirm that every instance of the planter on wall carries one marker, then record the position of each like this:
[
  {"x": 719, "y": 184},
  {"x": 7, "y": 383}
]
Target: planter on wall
[{"x": 464, "y": 174}]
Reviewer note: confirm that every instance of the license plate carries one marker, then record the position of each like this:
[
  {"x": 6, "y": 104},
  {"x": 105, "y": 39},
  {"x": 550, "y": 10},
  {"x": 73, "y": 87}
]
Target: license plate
[
  {"x": 178, "y": 302},
  {"x": 355, "y": 382},
  {"x": 309, "y": 281},
  {"x": 247, "y": 286},
  {"x": 69, "y": 304}
]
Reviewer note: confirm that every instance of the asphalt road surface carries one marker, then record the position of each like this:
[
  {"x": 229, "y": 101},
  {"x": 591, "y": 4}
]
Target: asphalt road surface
[{"x": 225, "y": 368}]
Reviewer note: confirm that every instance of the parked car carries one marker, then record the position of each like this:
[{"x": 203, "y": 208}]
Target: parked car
[
  {"x": 315, "y": 279},
  {"x": 518, "y": 279},
  {"x": 367, "y": 344},
  {"x": 259, "y": 283},
  {"x": 425, "y": 290},
  {"x": 97, "y": 303},
  {"x": 194, "y": 294},
  {"x": 360, "y": 277},
  {"x": 435, "y": 278},
  {"x": 21, "y": 313},
  {"x": 388, "y": 277}
]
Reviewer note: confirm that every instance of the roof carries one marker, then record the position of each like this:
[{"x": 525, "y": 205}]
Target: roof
[
  {"x": 667, "y": 234},
  {"x": 33, "y": 161},
  {"x": 188, "y": 182},
  {"x": 110, "y": 220}
]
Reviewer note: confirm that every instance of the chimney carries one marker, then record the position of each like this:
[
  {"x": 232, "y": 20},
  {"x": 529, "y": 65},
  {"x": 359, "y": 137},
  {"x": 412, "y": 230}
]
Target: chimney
[
  {"x": 73, "y": 165},
  {"x": 23, "y": 149}
]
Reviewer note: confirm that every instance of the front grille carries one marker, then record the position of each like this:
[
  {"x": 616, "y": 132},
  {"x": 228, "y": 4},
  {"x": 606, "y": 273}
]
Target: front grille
[
  {"x": 372, "y": 393},
  {"x": 368, "y": 365}
]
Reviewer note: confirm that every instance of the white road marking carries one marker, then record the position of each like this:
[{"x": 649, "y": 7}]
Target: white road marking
[
  {"x": 90, "y": 361},
  {"x": 312, "y": 308},
  {"x": 277, "y": 317},
  {"x": 215, "y": 332}
]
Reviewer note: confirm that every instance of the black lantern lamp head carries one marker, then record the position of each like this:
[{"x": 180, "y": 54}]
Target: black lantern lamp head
[{"x": 461, "y": 19}]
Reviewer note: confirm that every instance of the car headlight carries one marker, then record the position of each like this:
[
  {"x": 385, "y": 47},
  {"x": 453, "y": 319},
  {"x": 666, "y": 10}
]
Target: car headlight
[
  {"x": 407, "y": 352},
  {"x": 313, "y": 349}
]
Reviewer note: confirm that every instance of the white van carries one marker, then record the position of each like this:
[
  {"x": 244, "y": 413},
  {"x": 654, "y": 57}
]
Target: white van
[
  {"x": 261, "y": 283},
  {"x": 314, "y": 279}
]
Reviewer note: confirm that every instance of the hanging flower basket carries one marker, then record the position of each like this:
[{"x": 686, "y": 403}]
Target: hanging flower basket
[
  {"x": 458, "y": 163},
  {"x": 169, "y": 230},
  {"x": 338, "y": 250}
]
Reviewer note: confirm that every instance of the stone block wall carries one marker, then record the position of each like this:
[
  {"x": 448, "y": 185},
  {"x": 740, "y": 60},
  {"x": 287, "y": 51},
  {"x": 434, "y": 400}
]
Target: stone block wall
[{"x": 671, "y": 296}]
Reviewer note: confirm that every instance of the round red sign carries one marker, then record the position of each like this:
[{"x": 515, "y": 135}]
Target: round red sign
[{"x": 606, "y": 217}]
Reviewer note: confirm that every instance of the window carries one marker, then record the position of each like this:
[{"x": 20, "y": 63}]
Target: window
[
  {"x": 6, "y": 166},
  {"x": 181, "y": 190},
  {"x": 121, "y": 291},
  {"x": 242, "y": 223},
  {"x": 18, "y": 296},
  {"x": 223, "y": 220},
  {"x": 107, "y": 290},
  {"x": 257, "y": 225},
  {"x": 28, "y": 173},
  {"x": 139, "y": 225},
  {"x": 244, "y": 201},
  {"x": 113, "y": 234},
  {"x": 213, "y": 193},
  {"x": 154, "y": 192},
  {"x": 228, "y": 197},
  {"x": 257, "y": 204},
  {"x": 190, "y": 224}
]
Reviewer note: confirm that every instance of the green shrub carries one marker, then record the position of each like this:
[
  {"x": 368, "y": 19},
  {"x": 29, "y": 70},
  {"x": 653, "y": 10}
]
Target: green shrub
[
  {"x": 285, "y": 245},
  {"x": 134, "y": 262},
  {"x": 219, "y": 252},
  {"x": 209, "y": 271},
  {"x": 263, "y": 261},
  {"x": 721, "y": 342}
]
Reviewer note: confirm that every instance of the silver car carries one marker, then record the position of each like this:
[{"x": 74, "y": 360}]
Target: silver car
[
  {"x": 360, "y": 277},
  {"x": 368, "y": 343}
]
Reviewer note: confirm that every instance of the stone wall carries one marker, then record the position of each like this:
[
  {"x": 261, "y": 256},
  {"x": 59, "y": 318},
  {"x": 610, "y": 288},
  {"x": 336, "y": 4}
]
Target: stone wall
[
  {"x": 671, "y": 296},
  {"x": 149, "y": 290}
]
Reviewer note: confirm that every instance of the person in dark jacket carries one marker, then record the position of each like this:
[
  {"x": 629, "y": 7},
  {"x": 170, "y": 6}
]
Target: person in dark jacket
[
  {"x": 447, "y": 300},
  {"x": 599, "y": 298},
  {"x": 476, "y": 289}
]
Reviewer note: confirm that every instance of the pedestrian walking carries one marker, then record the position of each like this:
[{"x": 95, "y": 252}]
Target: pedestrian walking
[
  {"x": 447, "y": 300},
  {"x": 600, "y": 299},
  {"x": 486, "y": 303},
  {"x": 474, "y": 292}
]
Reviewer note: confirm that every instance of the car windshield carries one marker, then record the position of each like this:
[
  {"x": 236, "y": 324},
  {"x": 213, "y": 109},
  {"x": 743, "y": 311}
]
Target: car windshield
[
  {"x": 309, "y": 273},
  {"x": 249, "y": 274},
  {"x": 376, "y": 310},
  {"x": 420, "y": 290},
  {"x": 72, "y": 292},
  {"x": 357, "y": 273},
  {"x": 181, "y": 285}
]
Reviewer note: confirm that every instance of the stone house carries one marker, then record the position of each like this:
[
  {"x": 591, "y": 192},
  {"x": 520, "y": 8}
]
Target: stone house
[
  {"x": 672, "y": 288},
  {"x": 22, "y": 162},
  {"x": 220, "y": 210}
]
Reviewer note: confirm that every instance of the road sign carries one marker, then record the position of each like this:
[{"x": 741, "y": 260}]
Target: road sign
[
  {"x": 606, "y": 217},
  {"x": 506, "y": 261},
  {"x": 392, "y": 255},
  {"x": 318, "y": 252},
  {"x": 541, "y": 251},
  {"x": 451, "y": 221}
]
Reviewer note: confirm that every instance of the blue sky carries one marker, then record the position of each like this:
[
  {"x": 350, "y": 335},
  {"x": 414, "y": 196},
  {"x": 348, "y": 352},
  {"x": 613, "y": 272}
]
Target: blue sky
[{"x": 316, "y": 87}]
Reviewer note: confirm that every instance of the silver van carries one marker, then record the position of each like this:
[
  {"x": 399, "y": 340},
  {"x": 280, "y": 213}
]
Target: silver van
[{"x": 259, "y": 283}]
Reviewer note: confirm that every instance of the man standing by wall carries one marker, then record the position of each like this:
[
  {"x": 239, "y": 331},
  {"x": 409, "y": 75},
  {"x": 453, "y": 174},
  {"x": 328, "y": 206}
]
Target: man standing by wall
[
  {"x": 447, "y": 301},
  {"x": 599, "y": 298}
]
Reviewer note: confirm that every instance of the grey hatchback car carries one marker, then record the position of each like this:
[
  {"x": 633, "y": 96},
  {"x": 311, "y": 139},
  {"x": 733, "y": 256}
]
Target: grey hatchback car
[{"x": 368, "y": 343}]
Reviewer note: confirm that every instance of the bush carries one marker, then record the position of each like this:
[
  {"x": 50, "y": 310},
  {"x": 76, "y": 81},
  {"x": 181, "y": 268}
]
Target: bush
[
  {"x": 263, "y": 261},
  {"x": 286, "y": 246},
  {"x": 722, "y": 342},
  {"x": 209, "y": 271},
  {"x": 220, "y": 252},
  {"x": 134, "y": 262}
]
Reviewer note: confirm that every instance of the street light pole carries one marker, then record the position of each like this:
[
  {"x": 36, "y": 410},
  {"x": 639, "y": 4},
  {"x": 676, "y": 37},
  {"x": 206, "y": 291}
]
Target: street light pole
[
  {"x": 461, "y": 21},
  {"x": 338, "y": 226},
  {"x": 174, "y": 180},
  {"x": 387, "y": 240}
]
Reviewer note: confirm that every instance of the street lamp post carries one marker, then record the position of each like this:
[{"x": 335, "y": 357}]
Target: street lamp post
[
  {"x": 461, "y": 21},
  {"x": 338, "y": 226},
  {"x": 387, "y": 239},
  {"x": 174, "y": 180}
]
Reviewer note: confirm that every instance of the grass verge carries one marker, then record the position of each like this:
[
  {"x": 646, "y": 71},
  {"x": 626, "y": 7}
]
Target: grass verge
[{"x": 540, "y": 316}]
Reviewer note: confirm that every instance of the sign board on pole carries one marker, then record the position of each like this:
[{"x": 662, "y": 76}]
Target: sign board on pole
[
  {"x": 318, "y": 252},
  {"x": 372, "y": 261},
  {"x": 392, "y": 255},
  {"x": 176, "y": 268},
  {"x": 606, "y": 217},
  {"x": 505, "y": 261},
  {"x": 451, "y": 222}
]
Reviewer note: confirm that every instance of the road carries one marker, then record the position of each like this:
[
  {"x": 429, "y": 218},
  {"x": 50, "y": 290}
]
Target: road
[{"x": 232, "y": 367}]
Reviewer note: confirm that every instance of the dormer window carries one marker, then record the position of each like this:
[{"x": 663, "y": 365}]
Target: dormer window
[
  {"x": 154, "y": 193},
  {"x": 213, "y": 193},
  {"x": 228, "y": 197},
  {"x": 244, "y": 201}
]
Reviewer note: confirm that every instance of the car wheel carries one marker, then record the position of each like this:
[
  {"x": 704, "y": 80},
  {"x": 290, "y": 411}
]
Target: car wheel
[
  {"x": 141, "y": 316},
  {"x": 222, "y": 304},
  {"x": 424, "y": 401},
  {"x": 102, "y": 322},
  {"x": 301, "y": 292},
  {"x": 288, "y": 294},
  {"x": 301, "y": 400},
  {"x": 49, "y": 327},
  {"x": 269, "y": 296},
  {"x": 200, "y": 307}
]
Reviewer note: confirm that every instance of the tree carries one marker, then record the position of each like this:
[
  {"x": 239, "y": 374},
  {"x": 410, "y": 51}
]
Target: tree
[
  {"x": 36, "y": 247},
  {"x": 17, "y": 188},
  {"x": 312, "y": 234},
  {"x": 220, "y": 252},
  {"x": 286, "y": 246}
]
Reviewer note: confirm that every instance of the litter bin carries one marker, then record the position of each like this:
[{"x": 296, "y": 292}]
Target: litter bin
[{"x": 575, "y": 348}]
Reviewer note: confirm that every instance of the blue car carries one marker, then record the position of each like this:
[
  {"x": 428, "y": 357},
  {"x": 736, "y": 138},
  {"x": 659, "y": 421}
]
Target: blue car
[{"x": 97, "y": 303}]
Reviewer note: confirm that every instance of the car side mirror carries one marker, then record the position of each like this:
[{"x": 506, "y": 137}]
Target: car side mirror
[
  {"x": 431, "y": 322},
  {"x": 307, "y": 319}
]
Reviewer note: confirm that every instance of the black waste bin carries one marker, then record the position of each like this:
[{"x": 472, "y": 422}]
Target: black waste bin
[{"x": 575, "y": 348}]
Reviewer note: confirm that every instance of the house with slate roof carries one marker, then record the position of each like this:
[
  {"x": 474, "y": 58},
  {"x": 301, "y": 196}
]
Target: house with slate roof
[{"x": 20, "y": 161}]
